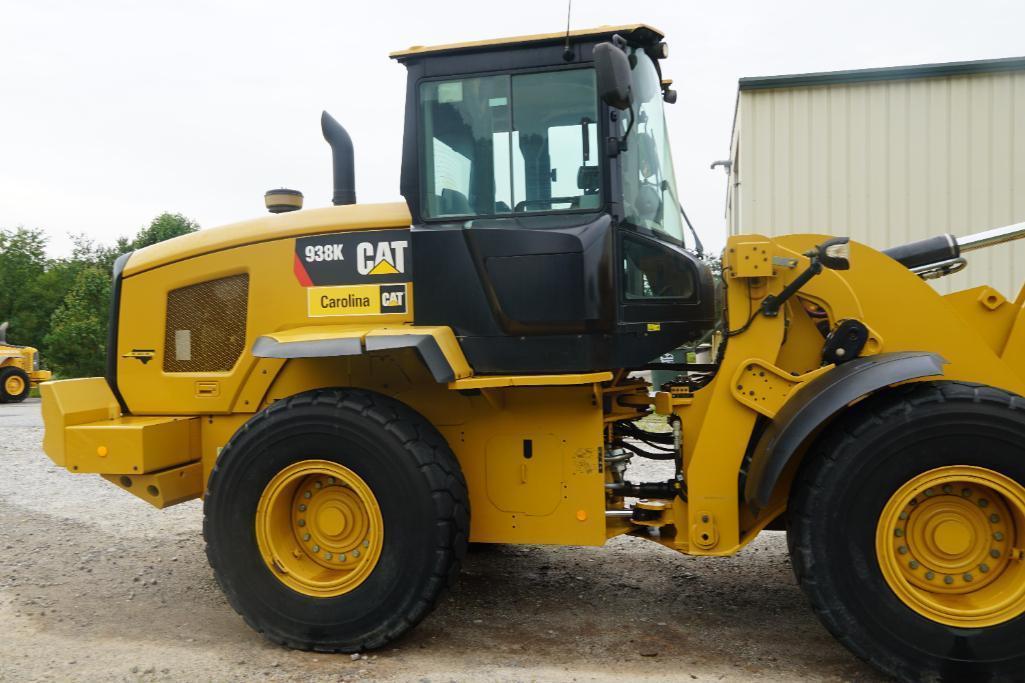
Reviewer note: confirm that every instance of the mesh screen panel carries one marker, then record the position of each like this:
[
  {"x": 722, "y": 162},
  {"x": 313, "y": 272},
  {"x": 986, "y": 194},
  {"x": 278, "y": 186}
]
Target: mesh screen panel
[{"x": 206, "y": 325}]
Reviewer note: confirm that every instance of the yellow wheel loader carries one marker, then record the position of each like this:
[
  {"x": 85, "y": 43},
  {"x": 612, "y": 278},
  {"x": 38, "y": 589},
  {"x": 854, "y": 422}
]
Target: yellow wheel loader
[
  {"x": 19, "y": 369},
  {"x": 359, "y": 391}
]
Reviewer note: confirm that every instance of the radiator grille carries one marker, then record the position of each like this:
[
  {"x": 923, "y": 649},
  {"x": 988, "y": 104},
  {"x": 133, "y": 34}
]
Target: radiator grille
[{"x": 206, "y": 325}]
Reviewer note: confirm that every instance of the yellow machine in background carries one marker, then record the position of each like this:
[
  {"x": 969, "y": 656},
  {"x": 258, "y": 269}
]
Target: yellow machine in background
[
  {"x": 359, "y": 391},
  {"x": 19, "y": 370}
]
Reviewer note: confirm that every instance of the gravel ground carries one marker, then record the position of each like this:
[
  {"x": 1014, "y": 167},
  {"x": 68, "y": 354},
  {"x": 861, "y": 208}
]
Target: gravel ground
[{"x": 97, "y": 585}]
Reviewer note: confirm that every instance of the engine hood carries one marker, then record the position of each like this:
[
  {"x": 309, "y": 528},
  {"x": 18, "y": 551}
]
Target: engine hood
[{"x": 266, "y": 228}]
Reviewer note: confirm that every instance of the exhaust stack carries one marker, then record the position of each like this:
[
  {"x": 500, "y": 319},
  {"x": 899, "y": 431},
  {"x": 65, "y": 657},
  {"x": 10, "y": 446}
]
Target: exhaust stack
[{"x": 342, "y": 160}]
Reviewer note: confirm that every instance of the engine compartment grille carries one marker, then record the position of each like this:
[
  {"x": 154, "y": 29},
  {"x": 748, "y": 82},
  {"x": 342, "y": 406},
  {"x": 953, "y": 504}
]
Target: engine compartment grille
[{"x": 206, "y": 325}]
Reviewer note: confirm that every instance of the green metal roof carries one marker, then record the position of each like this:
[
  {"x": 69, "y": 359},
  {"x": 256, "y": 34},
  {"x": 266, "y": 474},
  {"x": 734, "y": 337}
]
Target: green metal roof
[{"x": 889, "y": 73}]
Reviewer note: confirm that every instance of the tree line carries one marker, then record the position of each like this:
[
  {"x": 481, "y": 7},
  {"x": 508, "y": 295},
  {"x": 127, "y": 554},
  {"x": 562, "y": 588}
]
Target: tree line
[{"x": 61, "y": 305}]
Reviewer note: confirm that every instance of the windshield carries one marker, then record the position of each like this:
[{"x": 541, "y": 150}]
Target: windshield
[
  {"x": 508, "y": 144},
  {"x": 649, "y": 185}
]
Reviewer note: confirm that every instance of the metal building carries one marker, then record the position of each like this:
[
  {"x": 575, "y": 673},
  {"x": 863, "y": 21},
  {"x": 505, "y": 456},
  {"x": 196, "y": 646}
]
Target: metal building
[{"x": 886, "y": 156}]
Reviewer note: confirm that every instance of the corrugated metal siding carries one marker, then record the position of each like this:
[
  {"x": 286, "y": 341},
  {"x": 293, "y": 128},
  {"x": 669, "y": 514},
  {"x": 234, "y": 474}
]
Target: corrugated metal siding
[{"x": 887, "y": 162}]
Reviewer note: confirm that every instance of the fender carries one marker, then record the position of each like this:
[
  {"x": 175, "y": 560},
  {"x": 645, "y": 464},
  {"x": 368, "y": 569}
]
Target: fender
[
  {"x": 437, "y": 346},
  {"x": 819, "y": 401}
]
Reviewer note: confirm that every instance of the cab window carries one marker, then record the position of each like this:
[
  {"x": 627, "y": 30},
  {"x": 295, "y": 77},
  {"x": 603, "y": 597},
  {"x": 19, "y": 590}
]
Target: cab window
[{"x": 510, "y": 144}]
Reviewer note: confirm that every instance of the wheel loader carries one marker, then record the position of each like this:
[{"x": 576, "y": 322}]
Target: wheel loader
[
  {"x": 358, "y": 392},
  {"x": 20, "y": 370}
]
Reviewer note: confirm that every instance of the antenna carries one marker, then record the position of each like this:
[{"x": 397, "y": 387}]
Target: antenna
[{"x": 567, "y": 53}]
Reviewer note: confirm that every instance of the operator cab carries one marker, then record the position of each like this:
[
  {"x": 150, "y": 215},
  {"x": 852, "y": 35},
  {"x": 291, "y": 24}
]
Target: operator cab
[{"x": 546, "y": 226}]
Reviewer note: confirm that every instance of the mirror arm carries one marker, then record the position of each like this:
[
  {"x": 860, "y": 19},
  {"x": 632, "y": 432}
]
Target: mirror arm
[
  {"x": 614, "y": 145},
  {"x": 585, "y": 139},
  {"x": 629, "y": 127}
]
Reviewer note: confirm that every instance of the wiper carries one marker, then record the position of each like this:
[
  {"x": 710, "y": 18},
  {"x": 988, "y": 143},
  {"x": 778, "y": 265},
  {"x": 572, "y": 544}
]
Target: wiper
[{"x": 699, "y": 248}]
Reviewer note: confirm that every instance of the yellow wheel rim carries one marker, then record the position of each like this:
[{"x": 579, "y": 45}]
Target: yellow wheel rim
[
  {"x": 950, "y": 545},
  {"x": 14, "y": 385},
  {"x": 319, "y": 528}
]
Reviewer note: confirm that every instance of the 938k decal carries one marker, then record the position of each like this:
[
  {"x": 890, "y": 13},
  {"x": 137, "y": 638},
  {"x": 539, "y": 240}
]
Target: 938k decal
[
  {"x": 354, "y": 258},
  {"x": 357, "y": 273}
]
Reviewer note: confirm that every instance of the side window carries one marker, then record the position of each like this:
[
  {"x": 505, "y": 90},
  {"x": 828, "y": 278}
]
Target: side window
[
  {"x": 650, "y": 272},
  {"x": 506, "y": 144},
  {"x": 555, "y": 119},
  {"x": 463, "y": 122}
]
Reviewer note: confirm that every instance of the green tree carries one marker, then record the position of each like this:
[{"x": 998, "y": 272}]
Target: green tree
[
  {"x": 22, "y": 263},
  {"x": 79, "y": 289},
  {"x": 164, "y": 227},
  {"x": 78, "y": 328}
]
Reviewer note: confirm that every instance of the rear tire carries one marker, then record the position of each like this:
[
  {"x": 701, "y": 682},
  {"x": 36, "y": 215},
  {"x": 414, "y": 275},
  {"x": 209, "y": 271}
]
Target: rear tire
[
  {"x": 411, "y": 484},
  {"x": 14, "y": 385},
  {"x": 844, "y": 531}
]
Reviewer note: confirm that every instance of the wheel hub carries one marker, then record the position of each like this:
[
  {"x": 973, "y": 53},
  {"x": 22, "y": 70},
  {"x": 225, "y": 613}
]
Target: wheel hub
[
  {"x": 948, "y": 544},
  {"x": 331, "y": 517},
  {"x": 14, "y": 385},
  {"x": 319, "y": 528},
  {"x": 952, "y": 537}
]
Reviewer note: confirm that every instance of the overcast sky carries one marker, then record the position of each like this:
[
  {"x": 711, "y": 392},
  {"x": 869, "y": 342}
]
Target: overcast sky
[{"x": 113, "y": 111}]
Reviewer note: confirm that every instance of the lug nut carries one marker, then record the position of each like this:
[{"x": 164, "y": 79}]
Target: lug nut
[
  {"x": 302, "y": 522},
  {"x": 366, "y": 543},
  {"x": 967, "y": 493},
  {"x": 903, "y": 550},
  {"x": 947, "y": 489},
  {"x": 994, "y": 518},
  {"x": 983, "y": 503},
  {"x": 948, "y": 580},
  {"x": 994, "y": 553},
  {"x": 998, "y": 536},
  {"x": 306, "y": 537},
  {"x": 317, "y": 484},
  {"x": 316, "y": 548},
  {"x": 983, "y": 568},
  {"x": 302, "y": 508},
  {"x": 913, "y": 564},
  {"x": 307, "y": 495},
  {"x": 928, "y": 493},
  {"x": 330, "y": 480},
  {"x": 341, "y": 557},
  {"x": 898, "y": 532},
  {"x": 903, "y": 516},
  {"x": 930, "y": 576},
  {"x": 968, "y": 577},
  {"x": 327, "y": 556},
  {"x": 355, "y": 553}
]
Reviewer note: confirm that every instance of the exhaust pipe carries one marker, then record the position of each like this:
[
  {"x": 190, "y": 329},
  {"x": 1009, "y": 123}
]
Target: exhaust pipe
[{"x": 342, "y": 160}]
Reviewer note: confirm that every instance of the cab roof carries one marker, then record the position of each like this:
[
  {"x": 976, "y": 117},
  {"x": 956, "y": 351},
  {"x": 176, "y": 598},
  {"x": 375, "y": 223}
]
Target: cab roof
[{"x": 640, "y": 33}]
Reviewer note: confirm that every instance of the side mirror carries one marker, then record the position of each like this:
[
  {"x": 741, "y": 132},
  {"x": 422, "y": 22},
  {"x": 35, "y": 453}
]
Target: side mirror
[
  {"x": 613, "y": 73},
  {"x": 835, "y": 253}
]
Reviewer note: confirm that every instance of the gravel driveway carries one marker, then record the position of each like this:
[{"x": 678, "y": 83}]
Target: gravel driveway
[{"x": 97, "y": 585}]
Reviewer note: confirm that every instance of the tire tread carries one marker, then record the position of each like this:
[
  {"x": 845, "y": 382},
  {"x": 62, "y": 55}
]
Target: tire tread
[
  {"x": 823, "y": 459},
  {"x": 435, "y": 460}
]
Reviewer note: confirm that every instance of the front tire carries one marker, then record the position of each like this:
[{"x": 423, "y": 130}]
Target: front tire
[
  {"x": 906, "y": 526},
  {"x": 14, "y": 385},
  {"x": 335, "y": 519}
]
